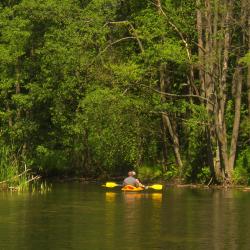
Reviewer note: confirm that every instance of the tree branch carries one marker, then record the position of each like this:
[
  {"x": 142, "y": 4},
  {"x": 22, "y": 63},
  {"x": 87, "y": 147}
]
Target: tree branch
[
  {"x": 117, "y": 41},
  {"x": 178, "y": 96},
  {"x": 176, "y": 29},
  {"x": 132, "y": 31}
]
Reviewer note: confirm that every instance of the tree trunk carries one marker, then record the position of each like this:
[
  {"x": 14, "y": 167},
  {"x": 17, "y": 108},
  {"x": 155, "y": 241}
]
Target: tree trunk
[
  {"x": 222, "y": 88},
  {"x": 175, "y": 140},
  {"x": 199, "y": 25},
  {"x": 248, "y": 87},
  {"x": 166, "y": 120},
  {"x": 213, "y": 21},
  {"x": 204, "y": 31},
  {"x": 210, "y": 93},
  {"x": 165, "y": 117},
  {"x": 163, "y": 88},
  {"x": 164, "y": 146},
  {"x": 237, "y": 87},
  {"x": 18, "y": 87},
  {"x": 248, "y": 73},
  {"x": 10, "y": 122}
]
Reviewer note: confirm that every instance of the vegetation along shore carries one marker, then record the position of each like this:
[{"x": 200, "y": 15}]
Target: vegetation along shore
[{"x": 96, "y": 88}]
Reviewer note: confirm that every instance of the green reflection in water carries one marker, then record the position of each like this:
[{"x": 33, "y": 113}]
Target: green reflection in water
[{"x": 77, "y": 216}]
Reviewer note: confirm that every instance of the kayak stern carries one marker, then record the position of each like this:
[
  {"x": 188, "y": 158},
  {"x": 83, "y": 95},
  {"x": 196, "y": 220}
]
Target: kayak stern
[{"x": 132, "y": 188}]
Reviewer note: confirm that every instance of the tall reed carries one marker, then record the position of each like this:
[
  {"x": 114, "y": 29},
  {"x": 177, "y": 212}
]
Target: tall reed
[
  {"x": 13, "y": 175},
  {"x": 8, "y": 164}
]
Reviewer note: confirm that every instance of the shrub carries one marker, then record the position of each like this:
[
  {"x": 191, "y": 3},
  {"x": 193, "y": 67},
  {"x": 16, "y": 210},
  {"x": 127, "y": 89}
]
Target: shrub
[
  {"x": 240, "y": 175},
  {"x": 149, "y": 173},
  {"x": 204, "y": 175},
  {"x": 171, "y": 173}
]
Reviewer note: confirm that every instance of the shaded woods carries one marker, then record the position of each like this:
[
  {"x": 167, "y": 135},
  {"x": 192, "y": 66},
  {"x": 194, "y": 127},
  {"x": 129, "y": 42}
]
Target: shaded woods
[{"x": 93, "y": 88}]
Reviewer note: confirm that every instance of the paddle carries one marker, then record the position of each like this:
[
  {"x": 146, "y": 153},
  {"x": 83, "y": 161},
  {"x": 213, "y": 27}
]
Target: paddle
[
  {"x": 155, "y": 186},
  {"x": 113, "y": 184}
]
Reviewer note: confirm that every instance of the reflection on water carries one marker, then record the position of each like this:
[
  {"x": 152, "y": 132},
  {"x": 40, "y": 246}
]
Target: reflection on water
[
  {"x": 76, "y": 216},
  {"x": 110, "y": 196},
  {"x": 157, "y": 197},
  {"x": 131, "y": 197},
  {"x": 128, "y": 215}
]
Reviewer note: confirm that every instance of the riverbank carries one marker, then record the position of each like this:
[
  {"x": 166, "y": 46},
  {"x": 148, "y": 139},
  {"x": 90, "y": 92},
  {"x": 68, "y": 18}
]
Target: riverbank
[
  {"x": 170, "y": 184},
  {"x": 17, "y": 184}
]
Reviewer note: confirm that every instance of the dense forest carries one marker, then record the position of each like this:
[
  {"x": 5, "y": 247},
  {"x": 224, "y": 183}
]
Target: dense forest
[{"x": 94, "y": 88}]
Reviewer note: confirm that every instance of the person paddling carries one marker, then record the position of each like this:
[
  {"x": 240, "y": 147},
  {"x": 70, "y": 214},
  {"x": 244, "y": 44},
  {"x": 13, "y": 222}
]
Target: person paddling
[{"x": 131, "y": 180}]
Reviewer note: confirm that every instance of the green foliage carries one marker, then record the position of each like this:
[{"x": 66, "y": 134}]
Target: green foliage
[
  {"x": 204, "y": 175},
  {"x": 8, "y": 164},
  {"x": 244, "y": 159},
  {"x": 241, "y": 174},
  {"x": 150, "y": 173},
  {"x": 126, "y": 73},
  {"x": 171, "y": 173},
  {"x": 114, "y": 123},
  {"x": 50, "y": 162},
  {"x": 79, "y": 88},
  {"x": 246, "y": 59},
  {"x": 14, "y": 175},
  {"x": 245, "y": 130}
]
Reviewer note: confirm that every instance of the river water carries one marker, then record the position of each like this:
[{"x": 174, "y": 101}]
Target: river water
[{"x": 80, "y": 216}]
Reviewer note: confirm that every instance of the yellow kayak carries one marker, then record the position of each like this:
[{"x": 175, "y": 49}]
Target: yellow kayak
[{"x": 132, "y": 188}]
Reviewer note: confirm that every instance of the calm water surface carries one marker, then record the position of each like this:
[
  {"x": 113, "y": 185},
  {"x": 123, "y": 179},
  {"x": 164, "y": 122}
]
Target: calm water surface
[{"x": 78, "y": 216}]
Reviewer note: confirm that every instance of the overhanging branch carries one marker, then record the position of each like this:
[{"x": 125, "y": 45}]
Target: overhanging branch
[{"x": 178, "y": 96}]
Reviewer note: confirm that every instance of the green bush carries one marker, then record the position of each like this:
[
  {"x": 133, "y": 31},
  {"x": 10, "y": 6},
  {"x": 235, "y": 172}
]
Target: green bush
[
  {"x": 240, "y": 176},
  {"x": 244, "y": 159},
  {"x": 149, "y": 173},
  {"x": 171, "y": 173},
  {"x": 204, "y": 175},
  {"x": 51, "y": 162}
]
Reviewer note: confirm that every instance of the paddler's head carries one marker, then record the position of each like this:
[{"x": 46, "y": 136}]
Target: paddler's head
[{"x": 131, "y": 173}]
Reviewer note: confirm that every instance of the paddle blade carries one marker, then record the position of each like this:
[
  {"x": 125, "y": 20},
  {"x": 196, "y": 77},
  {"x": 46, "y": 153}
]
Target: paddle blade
[
  {"x": 156, "y": 186},
  {"x": 111, "y": 184}
]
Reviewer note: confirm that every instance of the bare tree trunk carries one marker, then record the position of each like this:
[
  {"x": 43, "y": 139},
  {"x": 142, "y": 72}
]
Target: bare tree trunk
[
  {"x": 210, "y": 91},
  {"x": 167, "y": 123},
  {"x": 248, "y": 88},
  {"x": 18, "y": 87},
  {"x": 175, "y": 140},
  {"x": 238, "y": 88},
  {"x": 221, "y": 123},
  {"x": 163, "y": 99},
  {"x": 237, "y": 85},
  {"x": 213, "y": 20},
  {"x": 164, "y": 146},
  {"x": 10, "y": 122},
  {"x": 204, "y": 30},
  {"x": 199, "y": 25},
  {"x": 165, "y": 117},
  {"x": 248, "y": 73}
]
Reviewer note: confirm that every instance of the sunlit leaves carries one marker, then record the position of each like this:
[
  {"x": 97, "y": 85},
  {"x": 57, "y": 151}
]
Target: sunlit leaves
[
  {"x": 246, "y": 58},
  {"x": 127, "y": 73},
  {"x": 15, "y": 32}
]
